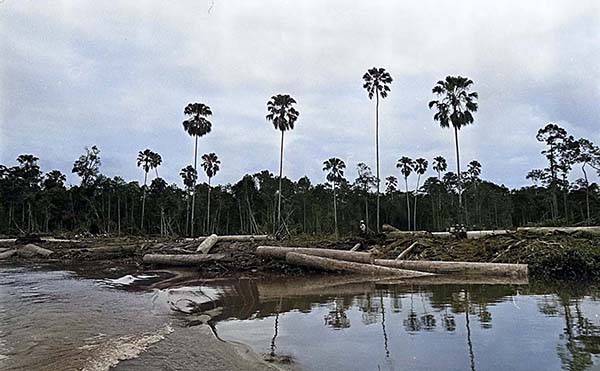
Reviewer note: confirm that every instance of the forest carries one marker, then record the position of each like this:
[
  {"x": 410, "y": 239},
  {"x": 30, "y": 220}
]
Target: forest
[{"x": 35, "y": 202}]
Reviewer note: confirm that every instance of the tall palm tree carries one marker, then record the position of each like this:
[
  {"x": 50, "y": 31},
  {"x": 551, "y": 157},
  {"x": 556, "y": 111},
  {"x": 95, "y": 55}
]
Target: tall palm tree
[
  {"x": 189, "y": 176},
  {"x": 440, "y": 165},
  {"x": 335, "y": 168},
  {"x": 455, "y": 106},
  {"x": 211, "y": 165},
  {"x": 156, "y": 161},
  {"x": 391, "y": 184},
  {"x": 420, "y": 167},
  {"x": 147, "y": 159},
  {"x": 197, "y": 125},
  {"x": 376, "y": 83},
  {"x": 406, "y": 165},
  {"x": 283, "y": 115},
  {"x": 473, "y": 173}
]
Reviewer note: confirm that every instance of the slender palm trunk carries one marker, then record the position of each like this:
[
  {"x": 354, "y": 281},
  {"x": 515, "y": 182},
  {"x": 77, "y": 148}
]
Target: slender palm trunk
[
  {"x": 587, "y": 193},
  {"x": 377, "y": 153},
  {"x": 208, "y": 231},
  {"x": 415, "y": 209},
  {"x": 407, "y": 202},
  {"x": 143, "y": 202},
  {"x": 335, "y": 211},
  {"x": 367, "y": 210},
  {"x": 458, "y": 173},
  {"x": 280, "y": 176},
  {"x": 194, "y": 188}
]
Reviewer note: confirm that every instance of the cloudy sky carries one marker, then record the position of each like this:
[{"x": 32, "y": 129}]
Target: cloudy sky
[{"x": 119, "y": 73}]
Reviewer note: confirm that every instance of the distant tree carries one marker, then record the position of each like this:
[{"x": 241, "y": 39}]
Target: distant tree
[
  {"x": 455, "y": 106},
  {"x": 189, "y": 176},
  {"x": 391, "y": 184},
  {"x": 439, "y": 165},
  {"x": 283, "y": 115},
  {"x": 304, "y": 186},
  {"x": 87, "y": 166},
  {"x": 406, "y": 166},
  {"x": 586, "y": 154},
  {"x": 147, "y": 159},
  {"x": 553, "y": 136},
  {"x": 473, "y": 173},
  {"x": 420, "y": 167},
  {"x": 376, "y": 82},
  {"x": 335, "y": 168},
  {"x": 211, "y": 165},
  {"x": 197, "y": 125},
  {"x": 365, "y": 182}
]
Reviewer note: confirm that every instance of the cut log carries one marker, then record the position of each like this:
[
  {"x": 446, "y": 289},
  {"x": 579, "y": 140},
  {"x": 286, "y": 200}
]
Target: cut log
[
  {"x": 389, "y": 228},
  {"x": 407, "y": 251},
  {"x": 459, "y": 268},
  {"x": 182, "y": 260},
  {"x": 7, "y": 254},
  {"x": 356, "y": 247},
  {"x": 401, "y": 234},
  {"x": 234, "y": 238},
  {"x": 335, "y": 265},
  {"x": 281, "y": 252},
  {"x": 207, "y": 244},
  {"x": 31, "y": 250}
]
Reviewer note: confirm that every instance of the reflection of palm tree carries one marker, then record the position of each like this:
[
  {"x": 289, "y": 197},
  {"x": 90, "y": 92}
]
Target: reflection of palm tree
[
  {"x": 337, "y": 318},
  {"x": 385, "y": 338},
  {"x": 273, "y": 346}
]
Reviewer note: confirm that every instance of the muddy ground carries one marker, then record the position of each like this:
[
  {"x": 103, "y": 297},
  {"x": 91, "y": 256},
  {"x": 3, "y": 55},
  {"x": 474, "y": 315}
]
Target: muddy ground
[{"x": 551, "y": 255}]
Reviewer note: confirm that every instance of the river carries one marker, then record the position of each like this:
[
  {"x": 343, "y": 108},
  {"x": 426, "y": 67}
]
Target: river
[{"x": 56, "y": 319}]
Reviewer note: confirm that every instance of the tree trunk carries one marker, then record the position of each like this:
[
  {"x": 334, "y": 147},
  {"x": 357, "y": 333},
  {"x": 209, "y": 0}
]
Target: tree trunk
[
  {"x": 463, "y": 268},
  {"x": 194, "y": 187},
  {"x": 143, "y": 202},
  {"x": 407, "y": 203},
  {"x": 377, "y": 154},
  {"x": 182, "y": 260},
  {"x": 119, "y": 214},
  {"x": 280, "y": 176},
  {"x": 458, "y": 173},
  {"x": 587, "y": 194},
  {"x": 415, "y": 209},
  {"x": 335, "y": 211},
  {"x": 208, "y": 210},
  {"x": 328, "y": 264},
  {"x": 281, "y": 252}
]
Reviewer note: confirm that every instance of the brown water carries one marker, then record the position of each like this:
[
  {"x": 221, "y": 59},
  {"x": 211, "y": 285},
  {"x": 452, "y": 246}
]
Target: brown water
[{"x": 59, "y": 320}]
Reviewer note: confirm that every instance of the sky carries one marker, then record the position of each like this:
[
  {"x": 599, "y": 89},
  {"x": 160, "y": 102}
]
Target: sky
[{"x": 118, "y": 74}]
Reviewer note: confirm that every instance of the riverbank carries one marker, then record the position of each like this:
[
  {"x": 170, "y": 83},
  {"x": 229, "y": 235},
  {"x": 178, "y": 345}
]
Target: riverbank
[{"x": 550, "y": 254}]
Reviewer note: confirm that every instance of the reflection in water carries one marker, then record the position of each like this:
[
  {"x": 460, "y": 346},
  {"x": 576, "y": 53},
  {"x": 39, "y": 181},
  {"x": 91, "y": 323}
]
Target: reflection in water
[{"x": 330, "y": 322}]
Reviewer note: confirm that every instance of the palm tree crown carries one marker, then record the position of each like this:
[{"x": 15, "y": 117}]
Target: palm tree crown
[
  {"x": 474, "y": 169},
  {"x": 281, "y": 112},
  {"x": 210, "y": 164},
  {"x": 439, "y": 164},
  {"x": 391, "y": 184},
  {"x": 197, "y": 124},
  {"x": 189, "y": 176},
  {"x": 420, "y": 166},
  {"x": 455, "y": 104},
  {"x": 335, "y": 168},
  {"x": 376, "y": 81},
  {"x": 148, "y": 159},
  {"x": 406, "y": 166}
]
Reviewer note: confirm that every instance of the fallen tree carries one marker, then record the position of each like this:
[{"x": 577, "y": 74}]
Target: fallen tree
[
  {"x": 183, "y": 260},
  {"x": 458, "y": 268},
  {"x": 207, "y": 244},
  {"x": 335, "y": 265},
  {"x": 31, "y": 250},
  {"x": 281, "y": 252}
]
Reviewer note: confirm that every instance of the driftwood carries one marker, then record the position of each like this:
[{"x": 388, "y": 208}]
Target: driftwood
[
  {"x": 182, "y": 260},
  {"x": 458, "y": 268},
  {"x": 207, "y": 244},
  {"x": 335, "y": 265},
  {"x": 281, "y": 252},
  {"x": 31, "y": 250},
  {"x": 407, "y": 250}
]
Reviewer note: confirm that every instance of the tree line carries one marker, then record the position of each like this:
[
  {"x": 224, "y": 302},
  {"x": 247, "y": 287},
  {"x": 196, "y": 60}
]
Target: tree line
[{"x": 265, "y": 203}]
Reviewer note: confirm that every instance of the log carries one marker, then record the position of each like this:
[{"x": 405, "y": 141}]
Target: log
[
  {"x": 184, "y": 260},
  {"x": 335, "y": 265},
  {"x": 207, "y": 244},
  {"x": 31, "y": 250},
  {"x": 407, "y": 251},
  {"x": 234, "y": 238},
  {"x": 389, "y": 228},
  {"x": 544, "y": 230},
  {"x": 7, "y": 254},
  {"x": 281, "y": 252},
  {"x": 459, "y": 268},
  {"x": 356, "y": 247}
]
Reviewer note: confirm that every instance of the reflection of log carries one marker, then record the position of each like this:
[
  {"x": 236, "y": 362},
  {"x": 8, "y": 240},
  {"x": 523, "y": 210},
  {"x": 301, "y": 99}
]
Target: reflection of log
[
  {"x": 280, "y": 252},
  {"x": 182, "y": 260},
  {"x": 7, "y": 254},
  {"x": 31, "y": 250},
  {"x": 493, "y": 269},
  {"x": 457, "y": 280},
  {"x": 346, "y": 266},
  {"x": 207, "y": 244}
]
